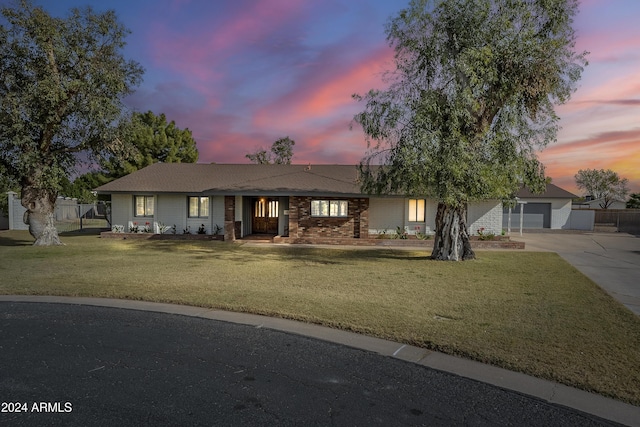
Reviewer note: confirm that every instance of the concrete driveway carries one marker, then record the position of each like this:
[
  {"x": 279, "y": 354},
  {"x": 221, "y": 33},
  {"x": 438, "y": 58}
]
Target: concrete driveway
[{"x": 612, "y": 260}]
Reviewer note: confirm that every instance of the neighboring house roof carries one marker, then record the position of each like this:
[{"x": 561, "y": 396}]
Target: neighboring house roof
[
  {"x": 598, "y": 201},
  {"x": 238, "y": 179},
  {"x": 552, "y": 192}
]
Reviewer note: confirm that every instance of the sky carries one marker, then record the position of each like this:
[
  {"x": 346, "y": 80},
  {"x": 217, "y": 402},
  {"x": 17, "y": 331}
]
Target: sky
[{"x": 242, "y": 73}]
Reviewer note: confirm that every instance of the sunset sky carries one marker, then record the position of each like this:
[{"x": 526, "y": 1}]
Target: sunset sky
[{"x": 242, "y": 73}]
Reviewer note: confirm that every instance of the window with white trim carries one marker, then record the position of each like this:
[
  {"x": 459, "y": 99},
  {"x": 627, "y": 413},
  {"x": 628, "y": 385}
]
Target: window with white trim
[
  {"x": 329, "y": 208},
  {"x": 143, "y": 206},
  {"x": 198, "y": 207},
  {"x": 416, "y": 210}
]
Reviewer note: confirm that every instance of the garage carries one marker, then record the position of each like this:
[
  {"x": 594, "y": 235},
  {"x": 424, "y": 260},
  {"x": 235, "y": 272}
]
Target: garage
[
  {"x": 536, "y": 215},
  {"x": 550, "y": 209}
]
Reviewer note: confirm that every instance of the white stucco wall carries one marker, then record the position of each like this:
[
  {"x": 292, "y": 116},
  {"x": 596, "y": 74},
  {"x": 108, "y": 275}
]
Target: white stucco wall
[
  {"x": 386, "y": 213},
  {"x": 171, "y": 209},
  {"x": 560, "y": 213},
  {"x": 217, "y": 212},
  {"x": 121, "y": 209},
  {"x": 238, "y": 208},
  {"x": 216, "y": 216},
  {"x": 581, "y": 220},
  {"x": 390, "y": 213},
  {"x": 283, "y": 220}
]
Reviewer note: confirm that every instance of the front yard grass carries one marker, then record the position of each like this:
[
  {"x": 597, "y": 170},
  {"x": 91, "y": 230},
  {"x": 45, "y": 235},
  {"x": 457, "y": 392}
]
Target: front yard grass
[{"x": 525, "y": 311}]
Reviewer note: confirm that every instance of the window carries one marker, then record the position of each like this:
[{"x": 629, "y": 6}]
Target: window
[
  {"x": 264, "y": 208},
  {"x": 143, "y": 205},
  {"x": 337, "y": 208},
  {"x": 416, "y": 210},
  {"x": 198, "y": 207},
  {"x": 273, "y": 209}
]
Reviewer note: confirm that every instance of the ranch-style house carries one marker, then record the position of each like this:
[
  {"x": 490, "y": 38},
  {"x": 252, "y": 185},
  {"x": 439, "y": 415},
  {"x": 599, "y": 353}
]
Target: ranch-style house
[{"x": 293, "y": 203}]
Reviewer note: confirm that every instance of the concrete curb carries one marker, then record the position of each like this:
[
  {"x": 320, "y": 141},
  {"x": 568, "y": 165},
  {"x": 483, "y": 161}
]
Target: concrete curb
[{"x": 548, "y": 391}]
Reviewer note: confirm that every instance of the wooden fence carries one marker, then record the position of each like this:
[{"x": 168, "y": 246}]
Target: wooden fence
[{"x": 627, "y": 220}]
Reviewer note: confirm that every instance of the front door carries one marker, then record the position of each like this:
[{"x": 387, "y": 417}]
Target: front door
[{"x": 265, "y": 216}]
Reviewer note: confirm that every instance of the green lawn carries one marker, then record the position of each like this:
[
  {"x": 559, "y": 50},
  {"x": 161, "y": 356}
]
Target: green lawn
[{"x": 526, "y": 311}]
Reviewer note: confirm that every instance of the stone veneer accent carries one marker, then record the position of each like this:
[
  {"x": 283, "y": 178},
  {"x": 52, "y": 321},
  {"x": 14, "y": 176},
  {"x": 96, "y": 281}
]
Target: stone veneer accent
[{"x": 303, "y": 225}]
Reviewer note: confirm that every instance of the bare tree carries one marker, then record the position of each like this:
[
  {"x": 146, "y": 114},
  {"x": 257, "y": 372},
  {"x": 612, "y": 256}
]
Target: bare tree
[
  {"x": 603, "y": 185},
  {"x": 280, "y": 153}
]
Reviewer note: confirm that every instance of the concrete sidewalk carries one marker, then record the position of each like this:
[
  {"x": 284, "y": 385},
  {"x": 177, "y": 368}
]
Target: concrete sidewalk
[
  {"x": 548, "y": 391},
  {"x": 612, "y": 260}
]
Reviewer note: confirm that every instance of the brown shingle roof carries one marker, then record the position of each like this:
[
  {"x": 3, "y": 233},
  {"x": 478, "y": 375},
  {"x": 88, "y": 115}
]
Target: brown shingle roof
[
  {"x": 251, "y": 179},
  {"x": 240, "y": 179},
  {"x": 552, "y": 192}
]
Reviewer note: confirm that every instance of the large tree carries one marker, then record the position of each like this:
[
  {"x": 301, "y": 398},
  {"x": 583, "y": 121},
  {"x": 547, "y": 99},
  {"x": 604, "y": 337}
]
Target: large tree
[
  {"x": 153, "y": 140},
  {"x": 150, "y": 139},
  {"x": 280, "y": 153},
  {"x": 470, "y": 100},
  {"x": 62, "y": 81},
  {"x": 634, "y": 201},
  {"x": 81, "y": 187},
  {"x": 603, "y": 185}
]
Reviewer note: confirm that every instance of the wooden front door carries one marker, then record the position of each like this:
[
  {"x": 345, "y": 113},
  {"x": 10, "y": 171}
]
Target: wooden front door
[{"x": 265, "y": 216}]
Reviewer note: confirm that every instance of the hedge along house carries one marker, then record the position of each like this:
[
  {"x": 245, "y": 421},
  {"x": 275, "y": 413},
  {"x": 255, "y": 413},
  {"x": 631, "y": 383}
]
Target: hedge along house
[{"x": 310, "y": 204}]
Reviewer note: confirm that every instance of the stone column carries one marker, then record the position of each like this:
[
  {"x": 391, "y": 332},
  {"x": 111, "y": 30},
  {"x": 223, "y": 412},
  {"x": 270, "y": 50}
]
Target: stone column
[
  {"x": 364, "y": 218},
  {"x": 293, "y": 216}
]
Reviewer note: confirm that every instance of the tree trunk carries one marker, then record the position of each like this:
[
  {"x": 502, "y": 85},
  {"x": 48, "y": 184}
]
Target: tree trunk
[
  {"x": 452, "y": 239},
  {"x": 40, "y": 205}
]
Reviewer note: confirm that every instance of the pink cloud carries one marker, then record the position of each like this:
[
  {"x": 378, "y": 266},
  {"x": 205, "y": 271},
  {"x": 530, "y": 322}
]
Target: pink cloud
[
  {"x": 605, "y": 46},
  {"x": 621, "y": 87},
  {"x": 336, "y": 93},
  {"x": 325, "y": 92},
  {"x": 616, "y": 150}
]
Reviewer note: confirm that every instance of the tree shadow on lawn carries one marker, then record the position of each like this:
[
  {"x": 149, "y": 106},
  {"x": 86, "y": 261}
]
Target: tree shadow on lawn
[
  {"x": 84, "y": 232},
  {"x": 404, "y": 256},
  {"x": 339, "y": 255},
  {"x": 202, "y": 249},
  {"x": 240, "y": 254},
  {"x": 12, "y": 241}
]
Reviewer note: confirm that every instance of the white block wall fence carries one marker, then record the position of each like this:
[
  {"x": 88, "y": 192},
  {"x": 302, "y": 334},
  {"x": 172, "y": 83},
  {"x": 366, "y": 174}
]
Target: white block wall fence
[{"x": 67, "y": 209}]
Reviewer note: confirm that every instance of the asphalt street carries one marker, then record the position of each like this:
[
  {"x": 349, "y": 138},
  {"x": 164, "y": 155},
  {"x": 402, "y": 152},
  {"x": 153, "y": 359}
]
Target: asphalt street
[{"x": 63, "y": 364}]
